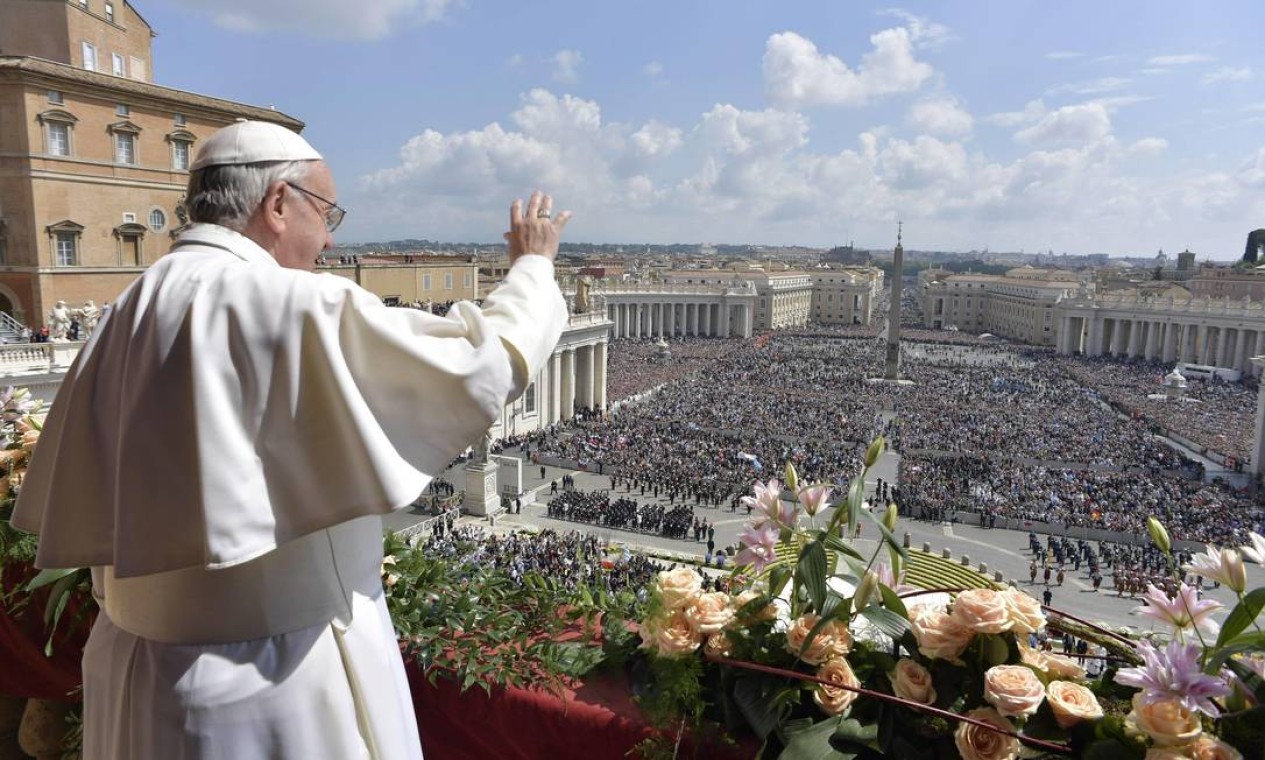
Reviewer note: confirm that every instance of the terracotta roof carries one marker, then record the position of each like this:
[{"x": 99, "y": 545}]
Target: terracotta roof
[{"x": 29, "y": 68}]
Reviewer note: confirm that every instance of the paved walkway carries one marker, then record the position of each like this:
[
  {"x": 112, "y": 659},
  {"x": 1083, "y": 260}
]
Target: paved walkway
[{"x": 1003, "y": 550}]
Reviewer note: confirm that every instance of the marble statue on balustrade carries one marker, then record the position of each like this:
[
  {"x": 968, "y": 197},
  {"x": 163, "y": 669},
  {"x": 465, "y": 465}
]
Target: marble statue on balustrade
[
  {"x": 59, "y": 322},
  {"x": 582, "y": 286},
  {"x": 89, "y": 315},
  {"x": 479, "y": 453}
]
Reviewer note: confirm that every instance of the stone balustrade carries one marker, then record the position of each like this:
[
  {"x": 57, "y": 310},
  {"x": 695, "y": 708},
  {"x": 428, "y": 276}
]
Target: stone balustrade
[{"x": 35, "y": 358}]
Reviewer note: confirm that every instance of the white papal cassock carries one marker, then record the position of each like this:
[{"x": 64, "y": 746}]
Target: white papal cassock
[{"x": 221, "y": 454}]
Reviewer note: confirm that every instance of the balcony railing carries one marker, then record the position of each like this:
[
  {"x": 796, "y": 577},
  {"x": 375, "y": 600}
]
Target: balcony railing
[{"x": 37, "y": 358}]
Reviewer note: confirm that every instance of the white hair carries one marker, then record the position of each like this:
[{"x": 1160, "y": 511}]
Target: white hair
[{"x": 227, "y": 195}]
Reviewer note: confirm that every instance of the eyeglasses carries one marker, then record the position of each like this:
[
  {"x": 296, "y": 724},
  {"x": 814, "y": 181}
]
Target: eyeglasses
[{"x": 333, "y": 215}]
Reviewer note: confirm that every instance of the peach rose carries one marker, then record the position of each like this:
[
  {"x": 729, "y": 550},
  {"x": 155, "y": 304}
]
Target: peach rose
[
  {"x": 1034, "y": 657},
  {"x": 976, "y": 743},
  {"x": 709, "y": 612},
  {"x": 1209, "y": 748},
  {"x": 1167, "y": 722},
  {"x": 912, "y": 681},
  {"x": 833, "y": 640},
  {"x": 983, "y": 610},
  {"x": 1014, "y": 690},
  {"x": 1072, "y": 703},
  {"x": 674, "y": 636},
  {"x": 1025, "y": 612},
  {"x": 832, "y": 699},
  {"x": 719, "y": 645},
  {"x": 769, "y": 612},
  {"x": 1166, "y": 753},
  {"x": 1062, "y": 666},
  {"x": 677, "y": 587},
  {"x": 939, "y": 635}
]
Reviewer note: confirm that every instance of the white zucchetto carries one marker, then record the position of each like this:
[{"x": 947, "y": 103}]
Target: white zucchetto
[{"x": 251, "y": 142}]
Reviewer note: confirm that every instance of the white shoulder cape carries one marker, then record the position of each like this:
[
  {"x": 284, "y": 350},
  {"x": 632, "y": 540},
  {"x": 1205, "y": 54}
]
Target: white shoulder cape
[{"x": 226, "y": 405}]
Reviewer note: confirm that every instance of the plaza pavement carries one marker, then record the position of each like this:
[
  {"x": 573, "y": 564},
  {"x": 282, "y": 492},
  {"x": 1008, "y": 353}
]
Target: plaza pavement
[{"x": 1002, "y": 550}]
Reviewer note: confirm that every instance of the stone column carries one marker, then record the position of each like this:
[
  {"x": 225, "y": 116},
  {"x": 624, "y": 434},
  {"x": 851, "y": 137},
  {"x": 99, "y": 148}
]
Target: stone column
[
  {"x": 584, "y": 376},
  {"x": 555, "y": 387},
  {"x": 1223, "y": 343},
  {"x": 1258, "y": 430},
  {"x": 599, "y": 375},
  {"x": 1169, "y": 351},
  {"x": 1095, "y": 336},
  {"x": 568, "y": 383},
  {"x": 1241, "y": 360},
  {"x": 707, "y": 319},
  {"x": 724, "y": 320},
  {"x": 1136, "y": 328},
  {"x": 748, "y": 320}
]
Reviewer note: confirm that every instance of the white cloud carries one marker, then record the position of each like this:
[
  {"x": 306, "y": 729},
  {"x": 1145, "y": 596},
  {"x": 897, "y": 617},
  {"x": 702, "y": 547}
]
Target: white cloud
[
  {"x": 1154, "y": 70},
  {"x": 1063, "y": 55},
  {"x": 797, "y": 74},
  {"x": 1252, "y": 172},
  {"x": 365, "y": 20},
  {"x": 566, "y": 66},
  {"x": 1229, "y": 74},
  {"x": 1097, "y": 86},
  {"x": 1149, "y": 146},
  {"x": 925, "y": 162},
  {"x": 1071, "y": 125},
  {"x": 514, "y": 61},
  {"x": 1034, "y": 110},
  {"x": 752, "y": 176},
  {"x": 1179, "y": 60},
  {"x": 652, "y": 69},
  {"x": 655, "y": 140},
  {"x": 941, "y": 116},
  {"x": 923, "y": 32}
]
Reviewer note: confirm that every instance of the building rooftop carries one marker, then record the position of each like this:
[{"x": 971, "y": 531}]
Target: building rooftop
[{"x": 56, "y": 74}]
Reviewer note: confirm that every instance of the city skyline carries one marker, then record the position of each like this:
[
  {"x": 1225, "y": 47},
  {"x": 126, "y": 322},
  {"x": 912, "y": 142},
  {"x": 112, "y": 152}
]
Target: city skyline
[{"x": 1009, "y": 126}]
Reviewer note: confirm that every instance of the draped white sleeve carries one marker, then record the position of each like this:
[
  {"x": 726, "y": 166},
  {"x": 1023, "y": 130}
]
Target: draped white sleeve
[{"x": 226, "y": 406}]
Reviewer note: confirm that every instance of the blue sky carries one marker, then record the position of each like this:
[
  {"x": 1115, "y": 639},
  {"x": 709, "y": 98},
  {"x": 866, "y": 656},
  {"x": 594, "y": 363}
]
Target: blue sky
[{"x": 1123, "y": 127}]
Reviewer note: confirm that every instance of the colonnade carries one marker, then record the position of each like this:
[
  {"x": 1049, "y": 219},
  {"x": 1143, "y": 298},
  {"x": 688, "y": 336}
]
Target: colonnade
[
  {"x": 666, "y": 319},
  {"x": 575, "y": 377},
  {"x": 1165, "y": 340}
]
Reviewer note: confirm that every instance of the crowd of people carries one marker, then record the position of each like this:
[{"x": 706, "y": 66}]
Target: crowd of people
[
  {"x": 1083, "y": 498},
  {"x": 1212, "y": 416},
  {"x": 636, "y": 366},
  {"x": 571, "y": 558},
  {"x": 1001, "y": 430},
  {"x": 598, "y": 508}
]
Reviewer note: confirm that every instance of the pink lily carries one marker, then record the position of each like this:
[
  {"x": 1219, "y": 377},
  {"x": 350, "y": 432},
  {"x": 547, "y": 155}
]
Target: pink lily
[
  {"x": 759, "y": 545},
  {"x": 1184, "y": 611},
  {"x": 814, "y": 498}
]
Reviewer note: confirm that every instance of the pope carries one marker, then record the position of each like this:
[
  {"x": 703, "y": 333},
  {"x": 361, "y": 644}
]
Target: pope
[{"x": 222, "y": 452}]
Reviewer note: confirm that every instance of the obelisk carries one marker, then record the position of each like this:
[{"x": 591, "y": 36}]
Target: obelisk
[{"x": 892, "y": 373}]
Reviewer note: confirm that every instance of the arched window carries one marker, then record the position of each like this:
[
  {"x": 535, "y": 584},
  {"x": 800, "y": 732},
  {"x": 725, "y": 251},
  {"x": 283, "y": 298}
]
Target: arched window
[
  {"x": 181, "y": 141},
  {"x": 126, "y": 142},
  {"x": 131, "y": 238},
  {"x": 59, "y": 128},
  {"x": 63, "y": 240}
]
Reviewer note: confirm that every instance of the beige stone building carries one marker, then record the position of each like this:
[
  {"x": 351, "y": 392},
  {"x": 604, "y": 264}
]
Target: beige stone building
[
  {"x": 783, "y": 298},
  {"x": 845, "y": 295},
  {"x": 398, "y": 279},
  {"x": 1228, "y": 282},
  {"x": 94, "y": 157},
  {"x": 1018, "y": 305}
]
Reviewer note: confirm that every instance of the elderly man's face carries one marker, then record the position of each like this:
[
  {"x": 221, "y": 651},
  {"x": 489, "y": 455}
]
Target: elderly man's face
[{"x": 306, "y": 236}]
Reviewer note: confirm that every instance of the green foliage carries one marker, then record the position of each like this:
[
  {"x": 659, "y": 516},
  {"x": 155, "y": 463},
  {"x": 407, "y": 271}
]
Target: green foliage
[
  {"x": 1242, "y": 615},
  {"x": 483, "y": 628}
]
